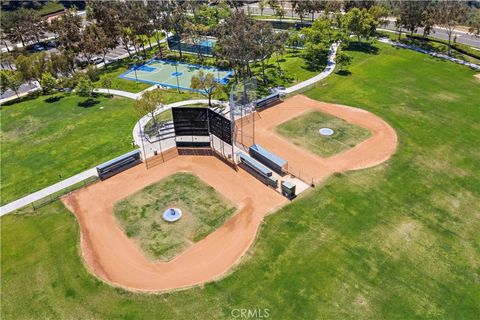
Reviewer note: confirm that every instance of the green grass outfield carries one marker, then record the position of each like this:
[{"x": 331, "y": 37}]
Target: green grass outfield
[
  {"x": 399, "y": 241},
  {"x": 303, "y": 131},
  {"x": 203, "y": 210},
  {"x": 41, "y": 140}
]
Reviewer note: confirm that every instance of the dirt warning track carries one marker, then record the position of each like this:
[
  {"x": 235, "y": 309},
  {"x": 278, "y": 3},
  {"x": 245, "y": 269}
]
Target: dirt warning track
[{"x": 115, "y": 258}]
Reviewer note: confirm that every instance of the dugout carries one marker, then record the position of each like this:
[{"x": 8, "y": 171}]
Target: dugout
[
  {"x": 268, "y": 101},
  {"x": 257, "y": 170},
  {"x": 269, "y": 159},
  {"x": 118, "y": 164}
]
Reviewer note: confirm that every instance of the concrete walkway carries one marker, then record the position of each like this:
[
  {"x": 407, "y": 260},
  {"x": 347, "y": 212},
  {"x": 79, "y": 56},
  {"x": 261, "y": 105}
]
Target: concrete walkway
[
  {"x": 322, "y": 75},
  {"x": 22, "y": 202},
  {"x": 432, "y": 53},
  {"x": 119, "y": 93}
]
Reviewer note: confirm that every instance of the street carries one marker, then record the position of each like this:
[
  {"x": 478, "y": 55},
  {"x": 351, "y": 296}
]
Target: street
[{"x": 439, "y": 33}]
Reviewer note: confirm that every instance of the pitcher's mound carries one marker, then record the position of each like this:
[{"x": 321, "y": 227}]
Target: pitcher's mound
[{"x": 477, "y": 76}]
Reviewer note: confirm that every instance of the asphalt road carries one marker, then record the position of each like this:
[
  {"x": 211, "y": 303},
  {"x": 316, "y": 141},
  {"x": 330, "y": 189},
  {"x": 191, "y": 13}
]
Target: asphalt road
[{"x": 439, "y": 33}]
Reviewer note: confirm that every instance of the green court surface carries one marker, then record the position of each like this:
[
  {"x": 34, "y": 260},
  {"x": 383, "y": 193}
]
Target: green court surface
[{"x": 172, "y": 74}]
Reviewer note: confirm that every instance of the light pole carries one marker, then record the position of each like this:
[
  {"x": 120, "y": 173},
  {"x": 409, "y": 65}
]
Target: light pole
[{"x": 176, "y": 74}]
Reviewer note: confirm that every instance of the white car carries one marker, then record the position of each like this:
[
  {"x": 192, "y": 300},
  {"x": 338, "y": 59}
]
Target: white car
[{"x": 96, "y": 60}]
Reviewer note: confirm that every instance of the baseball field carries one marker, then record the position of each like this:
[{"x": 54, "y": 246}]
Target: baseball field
[{"x": 395, "y": 240}]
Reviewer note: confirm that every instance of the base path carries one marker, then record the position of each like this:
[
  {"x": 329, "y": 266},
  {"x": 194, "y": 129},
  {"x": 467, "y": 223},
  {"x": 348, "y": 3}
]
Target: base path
[{"x": 118, "y": 260}]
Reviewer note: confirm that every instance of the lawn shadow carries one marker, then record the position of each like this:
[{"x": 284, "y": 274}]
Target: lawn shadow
[
  {"x": 365, "y": 47},
  {"x": 90, "y": 102},
  {"x": 343, "y": 72},
  {"x": 53, "y": 99}
]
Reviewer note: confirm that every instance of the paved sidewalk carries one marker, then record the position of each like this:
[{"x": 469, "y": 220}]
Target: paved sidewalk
[
  {"x": 322, "y": 75},
  {"x": 120, "y": 93},
  {"x": 22, "y": 202},
  {"x": 432, "y": 53}
]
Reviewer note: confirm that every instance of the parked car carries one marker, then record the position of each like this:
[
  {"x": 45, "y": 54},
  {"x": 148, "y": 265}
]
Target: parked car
[
  {"x": 109, "y": 61},
  {"x": 38, "y": 48},
  {"x": 96, "y": 60},
  {"x": 52, "y": 43}
]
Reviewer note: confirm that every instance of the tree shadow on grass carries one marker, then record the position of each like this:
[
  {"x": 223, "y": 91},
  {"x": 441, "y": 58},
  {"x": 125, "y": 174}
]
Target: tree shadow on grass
[
  {"x": 343, "y": 72},
  {"x": 54, "y": 99},
  {"x": 362, "y": 47},
  {"x": 90, "y": 102}
]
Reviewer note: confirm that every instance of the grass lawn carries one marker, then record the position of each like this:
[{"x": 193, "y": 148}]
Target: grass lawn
[
  {"x": 50, "y": 7},
  {"x": 203, "y": 210},
  {"x": 293, "y": 67},
  {"x": 42, "y": 140},
  {"x": 304, "y": 132},
  {"x": 399, "y": 241},
  {"x": 437, "y": 45}
]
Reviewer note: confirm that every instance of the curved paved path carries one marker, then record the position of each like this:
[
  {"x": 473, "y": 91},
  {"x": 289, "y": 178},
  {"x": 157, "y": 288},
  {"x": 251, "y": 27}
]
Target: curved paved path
[{"x": 115, "y": 258}]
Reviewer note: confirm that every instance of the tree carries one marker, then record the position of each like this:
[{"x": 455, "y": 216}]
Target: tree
[
  {"x": 31, "y": 67},
  {"x": 177, "y": 19},
  {"x": 23, "y": 25},
  {"x": 3, "y": 81},
  {"x": 106, "y": 82},
  {"x": 261, "y": 6},
  {"x": 360, "y": 23},
  {"x": 264, "y": 43},
  {"x": 278, "y": 6},
  {"x": 91, "y": 43},
  {"x": 68, "y": 28},
  {"x": 474, "y": 22},
  {"x": 235, "y": 44},
  {"x": 156, "y": 11},
  {"x": 84, "y": 87},
  {"x": 58, "y": 65},
  {"x": 343, "y": 60},
  {"x": 148, "y": 103},
  {"x": 295, "y": 39},
  {"x": 10, "y": 80},
  {"x": 6, "y": 60},
  {"x": 211, "y": 16},
  {"x": 206, "y": 83},
  {"x": 380, "y": 14},
  {"x": 450, "y": 14},
  {"x": 48, "y": 82},
  {"x": 319, "y": 37},
  {"x": 106, "y": 15},
  {"x": 411, "y": 14}
]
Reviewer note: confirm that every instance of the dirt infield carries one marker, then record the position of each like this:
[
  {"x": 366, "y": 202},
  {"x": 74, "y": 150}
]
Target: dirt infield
[
  {"x": 115, "y": 258},
  {"x": 368, "y": 153}
]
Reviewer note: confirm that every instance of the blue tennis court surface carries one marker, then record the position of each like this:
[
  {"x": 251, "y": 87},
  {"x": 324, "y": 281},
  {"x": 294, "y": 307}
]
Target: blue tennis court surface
[{"x": 172, "y": 74}]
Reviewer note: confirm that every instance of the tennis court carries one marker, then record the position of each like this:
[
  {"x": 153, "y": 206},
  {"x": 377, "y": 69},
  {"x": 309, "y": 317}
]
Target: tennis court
[{"x": 172, "y": 74}]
